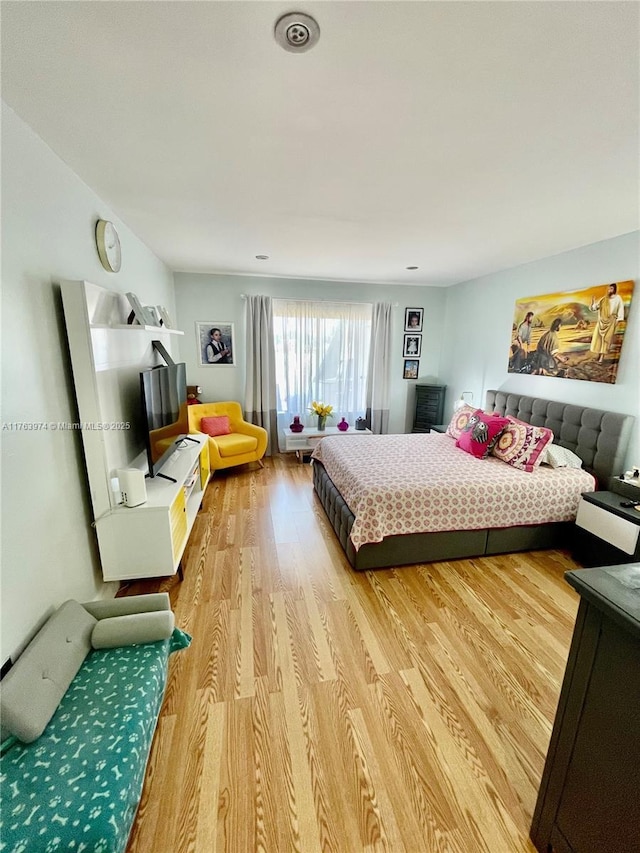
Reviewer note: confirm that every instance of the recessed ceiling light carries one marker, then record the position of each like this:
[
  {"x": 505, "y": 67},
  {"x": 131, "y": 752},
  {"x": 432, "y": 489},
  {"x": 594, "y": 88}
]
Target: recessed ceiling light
[
  {"x": 411, "y": 268},
  {"x": 262, "y": 257}
]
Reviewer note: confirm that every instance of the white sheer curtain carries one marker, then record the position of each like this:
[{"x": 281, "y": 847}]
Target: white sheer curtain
[
  {"x": 322, "y": 354},
  {"x": 378, "y": 375},
  {"x": 260, "y": 388}
]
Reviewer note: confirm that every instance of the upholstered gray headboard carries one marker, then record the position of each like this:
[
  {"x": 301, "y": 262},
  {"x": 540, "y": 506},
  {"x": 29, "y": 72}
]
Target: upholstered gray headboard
[{"x": 599, "y": 438}]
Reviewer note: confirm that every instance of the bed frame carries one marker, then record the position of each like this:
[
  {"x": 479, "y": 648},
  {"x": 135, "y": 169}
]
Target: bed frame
[{"x": 599, "y": 438}]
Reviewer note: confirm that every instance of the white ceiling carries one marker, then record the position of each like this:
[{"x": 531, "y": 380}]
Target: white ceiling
[{"x": 461, "y": 137}]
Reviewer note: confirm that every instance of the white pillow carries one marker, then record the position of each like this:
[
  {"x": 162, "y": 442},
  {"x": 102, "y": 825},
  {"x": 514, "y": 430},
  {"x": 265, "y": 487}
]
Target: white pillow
[{"x": 560, "y": 457}]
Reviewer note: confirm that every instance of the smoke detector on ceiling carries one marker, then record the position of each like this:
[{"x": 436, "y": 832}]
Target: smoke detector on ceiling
[{"x": 297, "y": 32}]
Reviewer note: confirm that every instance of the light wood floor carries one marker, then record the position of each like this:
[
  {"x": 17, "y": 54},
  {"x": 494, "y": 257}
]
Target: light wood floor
[{"x": 320, "y": 709}]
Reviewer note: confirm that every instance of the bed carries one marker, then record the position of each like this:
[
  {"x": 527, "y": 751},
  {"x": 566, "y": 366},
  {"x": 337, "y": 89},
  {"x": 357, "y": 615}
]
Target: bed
[{"x": 599, "y": 438}]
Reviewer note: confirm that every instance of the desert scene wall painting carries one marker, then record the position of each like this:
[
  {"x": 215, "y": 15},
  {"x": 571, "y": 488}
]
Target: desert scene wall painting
[{"x": 572, "y": 335}]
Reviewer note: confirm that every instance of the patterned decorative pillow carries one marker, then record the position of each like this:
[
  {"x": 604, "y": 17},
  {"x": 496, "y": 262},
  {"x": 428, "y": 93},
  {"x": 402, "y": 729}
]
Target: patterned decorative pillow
[
  {"x": 215, "y": 425},
  {"x": 459, "y": 420},
  {"x": 481, "y": 433},
  {"x": 560, "y": 457},
  {"x": 522, "y": 445}
]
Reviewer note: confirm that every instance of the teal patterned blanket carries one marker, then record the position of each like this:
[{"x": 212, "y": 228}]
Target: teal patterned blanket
[{"x": 77, "y": 787}]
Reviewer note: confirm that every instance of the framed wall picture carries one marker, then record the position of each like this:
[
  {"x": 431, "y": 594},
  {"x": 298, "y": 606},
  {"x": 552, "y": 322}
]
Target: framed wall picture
[
  {"x": 575, "y": 334},
  {"x": 412, "y": 346},
  {"x": 413, "y": 319},
  {"x": 215, "y": 344},
  {"x": 411, "y": 367}
]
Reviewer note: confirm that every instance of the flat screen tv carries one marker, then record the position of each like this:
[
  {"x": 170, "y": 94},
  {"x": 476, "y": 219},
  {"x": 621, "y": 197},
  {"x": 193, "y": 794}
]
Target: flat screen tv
[{"x": 164, "y": 411}]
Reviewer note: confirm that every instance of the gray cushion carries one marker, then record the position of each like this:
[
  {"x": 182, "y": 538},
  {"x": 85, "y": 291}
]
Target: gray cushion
[
  {"x": 31, "y": 691},
  {"x": 105, "y": 608},
  {"x": 132, "y": 628}
]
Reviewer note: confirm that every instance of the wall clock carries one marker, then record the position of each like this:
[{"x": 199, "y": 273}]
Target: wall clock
[{"x": 108, "y": 245}]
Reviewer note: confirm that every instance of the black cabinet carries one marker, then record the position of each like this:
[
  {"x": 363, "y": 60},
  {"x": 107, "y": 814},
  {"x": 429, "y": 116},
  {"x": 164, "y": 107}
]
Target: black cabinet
[
  {"x": 429, "y": 407},
  {"x": 589, "y": 795}
]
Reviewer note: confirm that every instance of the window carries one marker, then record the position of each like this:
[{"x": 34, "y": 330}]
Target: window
[{"x": 322, "y": 353}]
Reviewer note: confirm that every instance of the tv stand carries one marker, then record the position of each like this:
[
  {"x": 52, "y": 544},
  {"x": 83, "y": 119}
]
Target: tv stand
[{"x": 149, "y": 540}]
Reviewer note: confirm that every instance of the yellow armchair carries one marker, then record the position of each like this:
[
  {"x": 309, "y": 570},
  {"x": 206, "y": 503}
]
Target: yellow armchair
[
  {"x": 246, "y": 442},
  {"x": 164, "y": 437}
]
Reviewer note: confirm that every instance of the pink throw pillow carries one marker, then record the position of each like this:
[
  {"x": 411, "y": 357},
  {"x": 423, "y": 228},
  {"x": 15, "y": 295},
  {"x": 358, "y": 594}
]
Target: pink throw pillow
[
  {"x": 215, "y": 425},
  {"x": 481, "y": 433},
  {"x": 459, "y": 420},
  {"x": 522, "y": 445}
]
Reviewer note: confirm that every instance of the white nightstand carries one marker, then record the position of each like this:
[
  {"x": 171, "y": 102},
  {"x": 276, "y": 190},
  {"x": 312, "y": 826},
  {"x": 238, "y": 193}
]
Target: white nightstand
[
  {"x": 305, "y": 441},
  {"x": 607, "y": 533}
]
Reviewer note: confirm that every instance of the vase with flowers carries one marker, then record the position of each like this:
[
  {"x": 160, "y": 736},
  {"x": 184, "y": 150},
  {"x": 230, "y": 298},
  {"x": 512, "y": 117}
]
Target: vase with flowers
[{"x": 323, "y": 411}]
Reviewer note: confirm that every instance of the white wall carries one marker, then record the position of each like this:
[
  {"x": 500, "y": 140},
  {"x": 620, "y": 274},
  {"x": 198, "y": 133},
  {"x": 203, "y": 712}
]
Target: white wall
[
  {"x": 48, "y": 221},
  {"x": 217, "y": 298},
  {"x": 478, "y": 330}
]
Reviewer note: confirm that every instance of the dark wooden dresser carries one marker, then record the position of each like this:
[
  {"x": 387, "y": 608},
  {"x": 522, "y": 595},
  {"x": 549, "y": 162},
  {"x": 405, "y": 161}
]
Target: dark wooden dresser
[
  {"x": 429, "y": 407},
  {"x": 589, "y": 797}
]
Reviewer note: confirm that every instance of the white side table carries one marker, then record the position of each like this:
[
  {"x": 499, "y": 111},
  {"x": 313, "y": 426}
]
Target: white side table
[{"x": 305, "y": 441}]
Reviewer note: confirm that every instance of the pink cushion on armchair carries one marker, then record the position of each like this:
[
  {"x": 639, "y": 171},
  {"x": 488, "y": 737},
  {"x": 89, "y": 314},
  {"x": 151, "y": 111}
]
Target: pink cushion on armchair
[{"x": 215, "y": 425}]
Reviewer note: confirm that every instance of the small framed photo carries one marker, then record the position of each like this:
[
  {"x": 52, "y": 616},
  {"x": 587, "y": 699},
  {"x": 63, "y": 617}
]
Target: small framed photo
[
  {"x": 215, "y": 344},
  {"x": 164, "y": 316},
  {"x": 153, "y": 313},
  {"x": 412, "y": 346},
  {"x": 413, "y": 319},
  {"x": 139, "y": 311},
  {"x": 410, "y": 369}
]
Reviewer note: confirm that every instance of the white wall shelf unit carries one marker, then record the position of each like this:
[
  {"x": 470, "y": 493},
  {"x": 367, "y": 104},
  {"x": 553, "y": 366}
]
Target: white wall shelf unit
[{"x": 107, "y": 356}]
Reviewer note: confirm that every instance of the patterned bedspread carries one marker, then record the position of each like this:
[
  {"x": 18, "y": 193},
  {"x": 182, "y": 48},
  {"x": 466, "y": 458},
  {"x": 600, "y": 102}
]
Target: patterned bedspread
[{"x": 396, "y": 484}]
